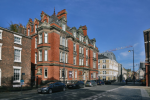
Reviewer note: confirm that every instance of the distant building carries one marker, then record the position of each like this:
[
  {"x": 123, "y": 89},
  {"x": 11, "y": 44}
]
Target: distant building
[
  {"x": 15, "y": 58},
  {"x": 124, "y": 74},
  {"x": 129, "y": 74},
  {"x": 107, "y": 66}
]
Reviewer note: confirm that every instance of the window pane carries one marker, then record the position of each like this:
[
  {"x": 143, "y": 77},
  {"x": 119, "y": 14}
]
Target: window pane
[
  {"x": 45, "y": 73},
  {"x": 45, "y": 55},
  {"x": 45, "y": 37},
  {"x": 16, "y": 74}
]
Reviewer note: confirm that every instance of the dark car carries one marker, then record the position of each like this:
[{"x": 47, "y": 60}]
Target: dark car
[
  {"x": 91, "y": 83},
  {"x": 108, "y": 82},
  {"x": 77, "y": 84},
  {"x": 49, "y": 88},
  {"x": 100, "y": 82}
]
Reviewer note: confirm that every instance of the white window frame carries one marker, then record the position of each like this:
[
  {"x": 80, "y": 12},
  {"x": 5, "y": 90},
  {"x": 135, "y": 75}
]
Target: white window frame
[
  {"x": 45, "y": 37},
  {"x": 28, "y": 31},
  {"x": 45, "y": 55},
  {"x": 1, "y": 51},
  {"x": 40, "y": 56},
  {"x": 74, "y": 33},
  {"x": 82, "y": 62},
  {"x": 104, "y": 66},
  {"x": 86, "y": 62},
  {"x": 63, "y": 41},
  {"x": 99, "y": 66},
  {"x": 80, "y": 37},
  {"x": 70, "y": 74},
  {"x": 35, "y": 58},
  {"x": 35, "y": 28},
  {"x": 66, "y": 73},
  {"x": 104, "y": 61},
  {"x": 86, "y": 52},
  {"x": 40, "y": 38},
  {"x": 75, "y": 74},
  {"x": 1, "y": 32},
  {"x": 60, "y": 56},
  {"x": 60, "y": 40},
  {"x": 74, "y": 46},
  {"x": 63, "y": 27},
  {"x": 66, "y": 43},
  {"x": 104, "y": 72},
  {"x": 79, "y": 61},
  {"x": 18, "y": 37},
  {"x": 74, "y": 60},
  {"x": 17, "y": 48},
  {"x": 66, "y": 58},
  {"x": 60, "y": 73},
  {"x": 35, "y": 42},
  {"x": 87, "y": 41},
  {"x": 17, "y": 67},
  {"x": 44, "y": 72},
  {"x": 82, "y": 51}
]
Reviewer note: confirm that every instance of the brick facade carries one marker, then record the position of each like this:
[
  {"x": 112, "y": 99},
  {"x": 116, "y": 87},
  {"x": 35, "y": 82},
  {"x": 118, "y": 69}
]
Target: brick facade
[
  {"x": 7, "y": 63},
  {"x": 53, "y": 27}
]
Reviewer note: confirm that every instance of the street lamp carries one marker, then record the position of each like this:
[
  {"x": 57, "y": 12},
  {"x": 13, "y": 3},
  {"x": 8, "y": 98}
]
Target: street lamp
[{"x": 133, "y": 64}]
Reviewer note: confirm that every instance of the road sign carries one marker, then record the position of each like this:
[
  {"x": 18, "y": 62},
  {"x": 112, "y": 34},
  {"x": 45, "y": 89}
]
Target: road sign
[
  {"x": 21, "y": 82},
  {"x": 23, "y": 73}
]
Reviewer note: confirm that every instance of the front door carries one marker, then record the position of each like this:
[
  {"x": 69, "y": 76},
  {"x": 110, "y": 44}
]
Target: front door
[{"x": 0, "y": 77}]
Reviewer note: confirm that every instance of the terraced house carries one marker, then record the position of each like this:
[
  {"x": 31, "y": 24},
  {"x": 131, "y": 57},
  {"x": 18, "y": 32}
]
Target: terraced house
[
  {"x": 59, "y": 51},
  {"x": 15, "y": 58},
  {"x": 107, "y": 66}
]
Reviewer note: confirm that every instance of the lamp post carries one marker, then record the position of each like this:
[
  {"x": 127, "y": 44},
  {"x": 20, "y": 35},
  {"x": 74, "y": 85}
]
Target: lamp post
[{"x": 133, "y": 64}]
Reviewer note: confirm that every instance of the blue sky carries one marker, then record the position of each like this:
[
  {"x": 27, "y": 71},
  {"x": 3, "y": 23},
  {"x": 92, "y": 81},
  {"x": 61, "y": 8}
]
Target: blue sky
[{"x": 113, "y": 23}]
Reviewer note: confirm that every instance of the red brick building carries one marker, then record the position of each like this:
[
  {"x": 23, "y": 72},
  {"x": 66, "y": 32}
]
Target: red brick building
[
  {"x": 55, "y": 45},
  {"x": 15, "y": 58}
]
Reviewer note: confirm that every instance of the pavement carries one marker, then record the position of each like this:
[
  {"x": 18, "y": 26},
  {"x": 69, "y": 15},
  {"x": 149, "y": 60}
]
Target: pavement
[{"x": 115, "y": 91}]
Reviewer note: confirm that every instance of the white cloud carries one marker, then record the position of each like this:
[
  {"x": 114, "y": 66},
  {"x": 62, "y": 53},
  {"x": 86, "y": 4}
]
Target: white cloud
[
  {"x": 135, "y": 44},
  {"x": 124, "y": 54},
  {"x": 142, "y": 53}
]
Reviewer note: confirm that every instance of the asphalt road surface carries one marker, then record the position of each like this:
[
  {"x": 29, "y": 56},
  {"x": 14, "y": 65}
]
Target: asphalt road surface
[{"x": 99, "y": 92}]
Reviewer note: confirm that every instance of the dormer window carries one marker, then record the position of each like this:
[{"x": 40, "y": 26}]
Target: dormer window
[
  {"x": 80, "y": 37},
  {"x": 28, "y": 31},
  {"x": 63, "y": 27},
  {"x": 35, "y": 28},
  {"x": 94, "y": 44},
  {"x": 87, "y": 41},
  {"x": 74, "y": 33}
]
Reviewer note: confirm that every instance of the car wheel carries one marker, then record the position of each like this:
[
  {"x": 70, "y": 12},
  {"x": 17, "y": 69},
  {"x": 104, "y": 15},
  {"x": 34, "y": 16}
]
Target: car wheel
[
  {"x": 64, "y": 89},
  {"x": 50, "y": 91}
]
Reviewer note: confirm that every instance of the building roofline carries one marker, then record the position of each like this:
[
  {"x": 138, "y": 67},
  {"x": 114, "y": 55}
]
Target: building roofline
[{"x": 15, "y": 33}]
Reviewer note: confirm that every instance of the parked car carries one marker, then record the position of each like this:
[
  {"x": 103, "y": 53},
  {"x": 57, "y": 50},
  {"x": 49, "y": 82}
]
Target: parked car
[
  {"x": 100, "y": 82},
  {"x": 76, "y": 84},
  {"x": 91, "y": 83},
  {"x": 49, "y": 88},
  {"x": 108, "y": 82}
]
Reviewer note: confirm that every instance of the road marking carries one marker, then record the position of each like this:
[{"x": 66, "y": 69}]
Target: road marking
[{"x": 144, "y": 93}]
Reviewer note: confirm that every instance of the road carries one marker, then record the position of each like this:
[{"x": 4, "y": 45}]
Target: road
[{"x": 103, "y": 92}]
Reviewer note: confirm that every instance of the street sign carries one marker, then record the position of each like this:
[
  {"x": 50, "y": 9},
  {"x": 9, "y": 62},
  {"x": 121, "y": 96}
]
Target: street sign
[
  {"x": 21, "y": 82},
  {"x": 23, "y": 73}
]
